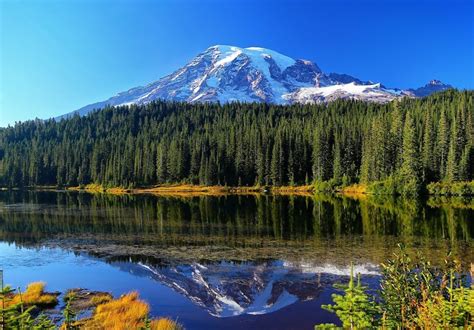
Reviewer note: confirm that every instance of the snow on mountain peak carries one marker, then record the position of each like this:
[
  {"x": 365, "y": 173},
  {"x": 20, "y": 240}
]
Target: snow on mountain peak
[
  {"x": 224, "y": 73},
  {"x": 435, "y": 82},
  {"x": 351, "y": 90},
  {"x": 229, "y": 53}
]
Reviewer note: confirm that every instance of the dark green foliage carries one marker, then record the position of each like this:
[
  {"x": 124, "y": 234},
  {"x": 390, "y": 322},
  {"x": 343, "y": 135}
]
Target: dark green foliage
[
  {"x": 416, "y": 294},
  {"x": 451, "y": 188},
  {"x": 70, "y": 316},
  {"x": 410, "y": 171},
  {"x": 404, "y": 144},
  {"x": 355, "y": 309},
  {"x": 413, "y": 295}
]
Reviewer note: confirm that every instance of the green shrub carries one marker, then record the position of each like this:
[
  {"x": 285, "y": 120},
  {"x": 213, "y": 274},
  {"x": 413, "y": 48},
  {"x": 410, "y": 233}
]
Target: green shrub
[
  {"x": 326, "y": 186},
  {"x": 389, "y": 186},
  {"x": 355, "y": 309},
  {"x": 413, "y": 295}
]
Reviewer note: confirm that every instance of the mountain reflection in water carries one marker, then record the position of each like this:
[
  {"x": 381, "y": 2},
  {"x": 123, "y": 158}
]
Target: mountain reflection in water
[{"x": 229, "y": 289}]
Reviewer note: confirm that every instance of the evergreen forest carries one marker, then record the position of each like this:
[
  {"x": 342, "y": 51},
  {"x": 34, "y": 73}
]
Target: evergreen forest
[{"x": 399, "y": 147}]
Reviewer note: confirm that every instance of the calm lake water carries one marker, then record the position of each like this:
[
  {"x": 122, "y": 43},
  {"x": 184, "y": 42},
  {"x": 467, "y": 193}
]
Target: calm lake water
[{"x": 222, "y": 262}]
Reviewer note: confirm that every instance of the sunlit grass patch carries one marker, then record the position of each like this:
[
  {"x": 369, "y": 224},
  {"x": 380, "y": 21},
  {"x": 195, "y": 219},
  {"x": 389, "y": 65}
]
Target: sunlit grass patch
[
  {"x": 355, "y": 189},
  {"x": 100, "y": 299},
  {"x": 126, "y": 312},
  {"x": 35, "y": 295},
  {"x": 165, "y": 324}
]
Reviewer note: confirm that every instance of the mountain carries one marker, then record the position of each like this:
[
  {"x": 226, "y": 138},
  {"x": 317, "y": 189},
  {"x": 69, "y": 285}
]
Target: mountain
[
  {"x": 227, "y": 73},
  {"x": 226, "y": 289},
  {"x": 432, "y": 87}
]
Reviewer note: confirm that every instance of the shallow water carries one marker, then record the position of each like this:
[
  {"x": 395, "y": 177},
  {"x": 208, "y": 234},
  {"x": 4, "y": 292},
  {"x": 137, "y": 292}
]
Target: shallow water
[{"x": 228, "y": 261}]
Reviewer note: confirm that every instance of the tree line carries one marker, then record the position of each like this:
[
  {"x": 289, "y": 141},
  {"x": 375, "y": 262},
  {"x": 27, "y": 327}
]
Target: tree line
[{"x": 402, "y": 145}]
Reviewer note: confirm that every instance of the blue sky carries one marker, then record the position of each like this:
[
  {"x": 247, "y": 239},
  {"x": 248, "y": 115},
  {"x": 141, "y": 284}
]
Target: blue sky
[{"x": 57, "y": 56}]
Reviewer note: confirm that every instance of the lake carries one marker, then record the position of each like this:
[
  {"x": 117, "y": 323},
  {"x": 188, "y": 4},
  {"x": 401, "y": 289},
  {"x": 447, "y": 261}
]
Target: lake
[{"x": 231, "y": 261}]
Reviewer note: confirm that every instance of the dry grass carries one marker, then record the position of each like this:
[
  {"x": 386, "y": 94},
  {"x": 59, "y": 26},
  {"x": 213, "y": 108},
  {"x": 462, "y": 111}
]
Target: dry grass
[
  {"x": 293, "y": 190},
  {"x": 91, "y": 187},
  {"x": 100, "y": 299},
  {"x": 35, "y": 295},
  {"x": 126, "y": 312},
  {"x": 117, "y": 191},
  {"x": 165, "y": 324},
  {"x": 97, "y": 188},
  {"x": 354, "y": 190},
  {"x": 190, "y": 190},
  {"x": 183, "y": 188},
  {"x": 83, "y": 299}
]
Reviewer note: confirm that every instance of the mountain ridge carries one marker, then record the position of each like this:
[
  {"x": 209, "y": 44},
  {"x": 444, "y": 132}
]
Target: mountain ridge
[{"x": 254, "y": 74}]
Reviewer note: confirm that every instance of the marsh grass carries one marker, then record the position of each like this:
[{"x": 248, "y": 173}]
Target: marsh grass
[
  {"x": 126, "y": 312},
  {"x": 165, "y": 324},
  {"x": 19, "y": 310},
  {"x": 100, "y": 299},
  {"x": 35, "y": 296},
  {"x": 22, "y": 310}
]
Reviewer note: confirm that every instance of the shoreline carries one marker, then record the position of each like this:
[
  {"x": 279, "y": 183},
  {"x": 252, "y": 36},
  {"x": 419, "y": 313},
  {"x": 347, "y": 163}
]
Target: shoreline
[
  {"x": 198, "y": 190},
  {"x": 357, "y": 191}
]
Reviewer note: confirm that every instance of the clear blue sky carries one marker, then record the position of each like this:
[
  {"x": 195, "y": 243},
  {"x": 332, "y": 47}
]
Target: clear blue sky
[{"x": 57, "y": 56}]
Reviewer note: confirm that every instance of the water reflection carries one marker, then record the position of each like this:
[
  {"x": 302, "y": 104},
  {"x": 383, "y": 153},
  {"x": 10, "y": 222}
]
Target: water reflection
[
  {"x": 237, "y": 227},
  {"x": 231, "y": 255},
  {"x": 226, "y": 288}
]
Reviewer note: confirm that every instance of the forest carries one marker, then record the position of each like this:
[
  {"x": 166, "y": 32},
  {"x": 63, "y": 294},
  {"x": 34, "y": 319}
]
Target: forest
[{"x": 400, "y": 147}]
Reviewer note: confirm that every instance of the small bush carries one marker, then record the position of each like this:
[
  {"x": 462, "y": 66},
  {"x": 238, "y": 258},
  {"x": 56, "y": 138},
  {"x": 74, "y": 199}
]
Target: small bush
[
  {"x": 326, "y": 186},
  {"x": 355, "y": 309},
  {"x": 389, "y": 186},
  {"x": 413, "y": 295}
]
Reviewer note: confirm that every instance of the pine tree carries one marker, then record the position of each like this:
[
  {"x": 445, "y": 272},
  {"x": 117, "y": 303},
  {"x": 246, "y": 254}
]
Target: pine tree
[
  {"x": 429, "y": 166},
  {"x": 442, "y": 144},
  {"x": 355, "y": 308},
  {"x": 410, "y": 171}
]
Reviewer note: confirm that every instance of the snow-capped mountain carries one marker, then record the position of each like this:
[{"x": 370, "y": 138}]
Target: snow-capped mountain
[
  {"x": 228, "y": 289},
  {"x": 432, "y": 87},
  {"x": 228, "y": 73}
]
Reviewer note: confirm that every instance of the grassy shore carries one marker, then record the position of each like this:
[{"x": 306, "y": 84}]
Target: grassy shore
[
  {"x": 354, "y": 190},
  {"x": 197, "y": 190}
]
